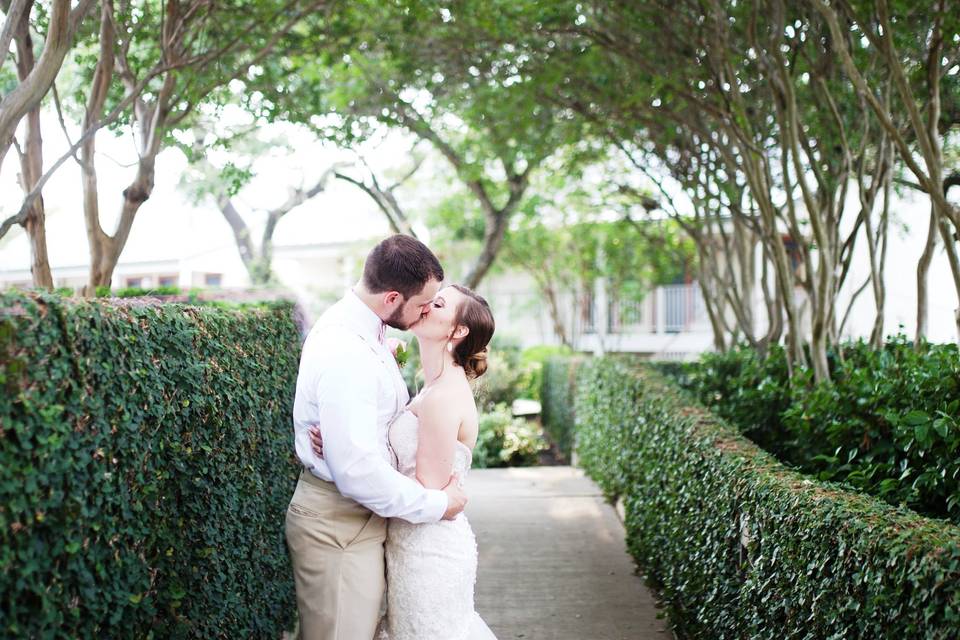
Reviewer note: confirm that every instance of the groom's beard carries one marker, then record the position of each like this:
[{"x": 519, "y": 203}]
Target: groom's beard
[{"x": 396, "y": 320}]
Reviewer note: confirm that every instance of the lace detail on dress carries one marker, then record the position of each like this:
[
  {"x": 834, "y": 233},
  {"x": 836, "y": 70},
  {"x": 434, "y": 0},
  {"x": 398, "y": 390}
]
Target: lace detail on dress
[{"x": 431, "y": 568}]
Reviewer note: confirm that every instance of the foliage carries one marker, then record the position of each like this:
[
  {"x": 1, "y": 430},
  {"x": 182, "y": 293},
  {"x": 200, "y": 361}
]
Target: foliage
[
  {"x": 568, "y": 233},
  {"x": 513, "y": 374},
  {"x": 502, "y": 441},
  {"x": 557, "y": 391},
  {"x": 474, "y": 94},
  {"x": 754, "y": 134},
  {"x": 565, "y": 257},
  {"x": 505, "y": 441},
  {"x": 887, "y": 424},
  {"x": 504, "y": 380},
  {"x": 145, "y": 466},
  {"x": 137, "y": 292},
  {"x": 453, "y": 77},
  {"x": 743, "y": 547},
  {"x": 412, "y": 372},
  {"x": 532, "y": 362},
  {"x": 223, "y": 156}
]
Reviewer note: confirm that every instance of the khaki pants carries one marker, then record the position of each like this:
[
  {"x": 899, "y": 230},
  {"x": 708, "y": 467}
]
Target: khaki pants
[{"x": 336, "y": 547}]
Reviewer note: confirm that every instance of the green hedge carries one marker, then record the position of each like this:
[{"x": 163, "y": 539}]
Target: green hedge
[
  {"x": 145, "y": 466},
  {"x": 888, "y": 423},
  {"x": 556, "y": 398},
  {"x": 743, "y": 547}
]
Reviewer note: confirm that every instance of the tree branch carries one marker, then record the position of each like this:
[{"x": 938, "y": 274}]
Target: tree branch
[
  {"x": 14, "y": 12},
  {"x": 241, "y": 232},
  {"x": 390, "y": 208},
  {"x": 63, "y": 124}
]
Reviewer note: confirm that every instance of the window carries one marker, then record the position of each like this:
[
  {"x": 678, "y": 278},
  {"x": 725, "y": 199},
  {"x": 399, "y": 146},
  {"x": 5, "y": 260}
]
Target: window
[
  {"x": 134, "y": 282},
  {"x": 167, "y": 281},
  {"x": 212, "y": 279}
]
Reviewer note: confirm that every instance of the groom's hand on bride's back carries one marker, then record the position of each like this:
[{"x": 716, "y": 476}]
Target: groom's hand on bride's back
[{"x": 456, "y": 498}]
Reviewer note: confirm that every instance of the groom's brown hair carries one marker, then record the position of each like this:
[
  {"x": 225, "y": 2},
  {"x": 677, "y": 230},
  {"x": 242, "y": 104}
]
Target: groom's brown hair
[{"x": 400, "y": 263}]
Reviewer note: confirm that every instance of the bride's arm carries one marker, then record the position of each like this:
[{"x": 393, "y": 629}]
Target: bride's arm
[{"x": 437, "y": 439}]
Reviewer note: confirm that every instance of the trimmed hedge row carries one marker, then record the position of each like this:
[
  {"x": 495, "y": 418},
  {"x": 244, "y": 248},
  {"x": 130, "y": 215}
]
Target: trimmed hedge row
[
  {"x": 743, "y": 547},
  {"x": 888, "y": 423},
  {"x": 145, "y": 466},
  {"x": 558, "y": 386}
]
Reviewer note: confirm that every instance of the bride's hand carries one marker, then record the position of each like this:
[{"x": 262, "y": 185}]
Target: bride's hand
[{"x": 316, "y": 441}]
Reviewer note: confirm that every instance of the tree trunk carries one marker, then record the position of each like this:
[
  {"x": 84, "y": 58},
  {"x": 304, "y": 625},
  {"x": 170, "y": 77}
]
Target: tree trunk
[
  {"x": 923, "y": 268},
  {"x": 713, "y": 311},
  {"x": 949, "y": 243},
  {"x": 555, "y": 316},
  {"x": 880, "y": 286},
  {"x": 774, "y": 303},
  {"x": 31, "y": 165},
  {"x": 97, "y": 240},
  {"x": 265, "y": 270},
  {"x": 35, "y": 224},
  {"x": 926, "y": 135},
  {"x": 152, "y": 120},
  {"x": 109, "y": 248},
  {"x": 492, "y": 239},
  {"x": 257, "y": 268}
]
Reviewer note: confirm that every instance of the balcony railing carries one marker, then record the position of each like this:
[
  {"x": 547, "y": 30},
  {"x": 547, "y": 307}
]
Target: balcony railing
[{"x": 666, "y": 309}]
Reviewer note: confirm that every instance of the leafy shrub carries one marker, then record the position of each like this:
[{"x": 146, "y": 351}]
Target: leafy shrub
[
  {"x": 136, "y": 292},
  {"x": 743, "y": 547},
  {"x": 532, "y": 361},
  {"x": 502, "y": 382},
  {"x": 505, "y": 441},
  {"x": 145, "y": 466},
  {"x": 103, "y": 291},
  {"x": 513, "y": 373},
  {"x": 558, "y": 387},
  {"x": 886, "y": 424},
  {"x": 502, "y": 441}
]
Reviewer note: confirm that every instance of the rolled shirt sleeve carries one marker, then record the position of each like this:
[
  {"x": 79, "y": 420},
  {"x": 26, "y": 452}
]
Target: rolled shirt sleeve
[{"x": 346, "y": 397}]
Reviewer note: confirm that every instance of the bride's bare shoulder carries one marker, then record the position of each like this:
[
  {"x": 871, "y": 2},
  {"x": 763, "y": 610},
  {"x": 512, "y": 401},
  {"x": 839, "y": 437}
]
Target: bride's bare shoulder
[{"x": 450, "y": 392}]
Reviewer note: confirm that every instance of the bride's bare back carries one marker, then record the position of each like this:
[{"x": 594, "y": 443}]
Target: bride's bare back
[{"x": 447, "y": 413}]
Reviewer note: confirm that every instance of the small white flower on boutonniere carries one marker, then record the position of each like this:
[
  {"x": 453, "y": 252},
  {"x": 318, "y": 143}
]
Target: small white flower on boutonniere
[{"x": 399, "y": 350}]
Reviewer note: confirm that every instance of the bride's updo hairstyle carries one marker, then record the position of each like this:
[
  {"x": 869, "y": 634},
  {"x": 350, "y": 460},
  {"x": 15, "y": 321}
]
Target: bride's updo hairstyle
[{"x": 474, "y": 313}]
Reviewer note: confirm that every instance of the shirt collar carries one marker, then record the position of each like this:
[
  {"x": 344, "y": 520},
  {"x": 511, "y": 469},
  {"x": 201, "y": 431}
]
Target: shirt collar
[{"x": 367, "y": 322}]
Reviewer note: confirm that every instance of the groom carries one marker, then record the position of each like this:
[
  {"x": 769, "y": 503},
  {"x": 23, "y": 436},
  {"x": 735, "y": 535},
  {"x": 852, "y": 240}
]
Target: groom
[{"x": 350, "y": 385}]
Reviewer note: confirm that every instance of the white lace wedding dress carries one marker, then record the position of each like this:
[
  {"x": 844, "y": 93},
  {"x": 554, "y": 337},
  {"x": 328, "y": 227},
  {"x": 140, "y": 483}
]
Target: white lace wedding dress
[{"x": 431, "y": 568}]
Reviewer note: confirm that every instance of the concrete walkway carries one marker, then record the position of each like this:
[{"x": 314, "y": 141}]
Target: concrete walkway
[{"x": 553, "y": 562}]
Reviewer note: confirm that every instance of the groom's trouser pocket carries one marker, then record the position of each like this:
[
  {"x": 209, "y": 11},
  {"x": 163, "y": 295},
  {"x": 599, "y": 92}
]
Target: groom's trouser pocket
[{"x": 336, "y": 548}]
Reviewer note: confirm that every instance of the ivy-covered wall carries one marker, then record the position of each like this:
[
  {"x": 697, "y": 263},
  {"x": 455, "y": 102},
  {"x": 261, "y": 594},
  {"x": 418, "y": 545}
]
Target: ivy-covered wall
[
  {"x": 743, "y": 547},
  {"x": 145, "y": 467}
]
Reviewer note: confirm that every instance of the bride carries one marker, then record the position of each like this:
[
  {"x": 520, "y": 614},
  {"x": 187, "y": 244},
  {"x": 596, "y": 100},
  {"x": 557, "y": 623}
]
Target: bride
[{"x": 432, "y": 568}]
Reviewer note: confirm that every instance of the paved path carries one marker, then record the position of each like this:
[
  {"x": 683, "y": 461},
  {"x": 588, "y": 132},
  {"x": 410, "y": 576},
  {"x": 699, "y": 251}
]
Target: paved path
[{"x": 553, "y": 562}]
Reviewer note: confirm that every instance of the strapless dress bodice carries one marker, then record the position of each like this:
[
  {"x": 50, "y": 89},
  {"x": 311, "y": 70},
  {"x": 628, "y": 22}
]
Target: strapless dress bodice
[{"x": 403, "y": 440}]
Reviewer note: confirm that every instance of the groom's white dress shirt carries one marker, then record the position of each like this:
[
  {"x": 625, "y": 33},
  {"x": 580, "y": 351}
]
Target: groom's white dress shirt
[{"x": 349, "y": 384}]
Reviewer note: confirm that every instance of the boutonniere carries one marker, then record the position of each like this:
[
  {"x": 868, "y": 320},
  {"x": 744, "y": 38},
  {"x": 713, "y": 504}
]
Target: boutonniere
[{"x": 399, "y": 350}]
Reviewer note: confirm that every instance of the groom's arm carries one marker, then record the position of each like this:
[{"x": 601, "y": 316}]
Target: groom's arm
[{"x": 347, "y": 404}]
